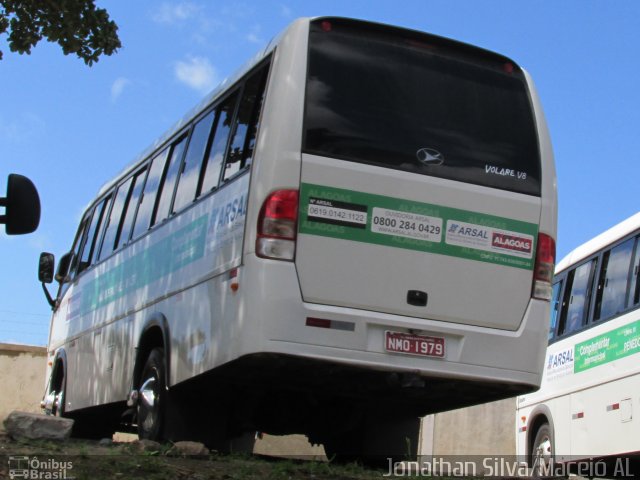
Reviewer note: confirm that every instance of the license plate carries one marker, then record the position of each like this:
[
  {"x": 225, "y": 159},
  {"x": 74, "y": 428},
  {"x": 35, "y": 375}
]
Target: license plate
[{"x": 398, "y": 342}]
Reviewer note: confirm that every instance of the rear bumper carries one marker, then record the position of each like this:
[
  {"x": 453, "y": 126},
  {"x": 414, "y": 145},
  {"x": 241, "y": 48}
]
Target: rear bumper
[
  {"x": 479, "y": 357},
  {"x": 281, "y": 377}
]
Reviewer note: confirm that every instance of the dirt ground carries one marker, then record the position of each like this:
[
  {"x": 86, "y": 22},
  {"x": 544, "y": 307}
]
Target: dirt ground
[{"x": 87, "y": 459}]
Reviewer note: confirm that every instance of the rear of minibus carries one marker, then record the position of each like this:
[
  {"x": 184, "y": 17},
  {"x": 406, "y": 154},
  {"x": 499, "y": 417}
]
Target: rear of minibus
[{"x": 404, "y": 206}]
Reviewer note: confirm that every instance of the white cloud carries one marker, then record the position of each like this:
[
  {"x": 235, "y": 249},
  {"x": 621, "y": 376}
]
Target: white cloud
[
  {"x": 170, "y": 13},
  {"x": 254, "y": 36},
  {"x": 285, "y": 11},
  {"x": 21, "y": 128},
  {"x": 197, "y": 73},
  {"x": 118, "y": 87}
]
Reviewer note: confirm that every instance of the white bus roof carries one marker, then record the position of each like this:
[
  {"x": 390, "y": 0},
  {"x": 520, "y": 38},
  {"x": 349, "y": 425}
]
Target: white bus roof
[{"x": 607, "y": 237}]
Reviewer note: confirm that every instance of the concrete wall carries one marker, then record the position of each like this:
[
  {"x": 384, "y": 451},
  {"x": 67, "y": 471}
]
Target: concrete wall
[
  {"x": 22, "y": 372},
  {"x": 486, "y": 429}
]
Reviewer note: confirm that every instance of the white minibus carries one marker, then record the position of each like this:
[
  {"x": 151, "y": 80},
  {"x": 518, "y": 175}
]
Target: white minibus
[{"x": 356, "y": 230}]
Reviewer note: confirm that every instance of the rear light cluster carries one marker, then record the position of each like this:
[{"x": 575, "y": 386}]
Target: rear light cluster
[
  {"x": 277, "y": 226},
  {"x": 543, "y": 271}
]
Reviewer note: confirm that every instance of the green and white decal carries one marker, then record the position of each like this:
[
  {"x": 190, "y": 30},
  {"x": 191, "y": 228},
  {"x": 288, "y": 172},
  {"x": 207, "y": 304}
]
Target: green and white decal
[
  {"x": 613, "y": 345},
  {"x": 168, "y": 255},
  {"x": 400, "y": 223},
  {"x": 215, "y": 235}
]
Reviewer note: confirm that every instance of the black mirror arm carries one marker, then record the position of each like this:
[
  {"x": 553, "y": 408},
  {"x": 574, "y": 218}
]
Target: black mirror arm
[
  {"x": 50, "y": 299},
  {"x": 3, "y": 203}
]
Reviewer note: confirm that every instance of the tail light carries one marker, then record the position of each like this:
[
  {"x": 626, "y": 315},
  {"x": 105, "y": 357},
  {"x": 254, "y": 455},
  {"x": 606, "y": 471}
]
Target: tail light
[
  {"x": 277, "y": 226},
  {"x": 543, "y": 271}
]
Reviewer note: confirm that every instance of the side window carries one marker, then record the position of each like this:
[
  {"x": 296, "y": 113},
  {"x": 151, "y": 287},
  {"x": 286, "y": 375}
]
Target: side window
[
  {"x": 148, "y": 200},
  {"x": 113, "y": 225},
  {"x": 81, "y": 236},
  {"x": 75, "y": 251},
  {"x": 87, "y": 254},
  {"x": 555, "y": 308},
  {"x": 246, "y": 125},
  {"x": 222, "y": 129},
  {"x": 634, "y": 290},
  {"x": 611, "y": 297},
  {"x": 188, "y": 181},
  {"x": 132, "y": 204},
  {"x": 575, "y": 305},
  {"x": 168, "y": 185}
]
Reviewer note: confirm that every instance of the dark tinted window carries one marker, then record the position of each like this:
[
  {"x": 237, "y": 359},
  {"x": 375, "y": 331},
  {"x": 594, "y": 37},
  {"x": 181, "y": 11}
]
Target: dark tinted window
[
  {"x": 576, "y": 299},
  {"x": 634, "y": 287},
  {"x": 132, "y": 204},
  {"x": 188, "y": 182},
  {"x": 555, "y": 308},
  {"x": 246, "y": 124},
  {"x": 614, "y": 279},
  {"x": 224, "y": 116},
  {"x": 88, "y": 248},
  {"x": 168, "y": 185},
  {"x": 79, "y": 241},
  {"x": 408, "y": 101},
  {"x": 113, "y": 226},
  {"x": 148, "y": 200}
]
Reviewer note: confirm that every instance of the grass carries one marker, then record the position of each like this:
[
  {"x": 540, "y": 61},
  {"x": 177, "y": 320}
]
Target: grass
[{"x": 119, "y": 460}]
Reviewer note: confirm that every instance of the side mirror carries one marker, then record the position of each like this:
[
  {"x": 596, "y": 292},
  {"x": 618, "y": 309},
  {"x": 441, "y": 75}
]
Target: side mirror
[
  {"x": 63, "y": 267},
  {"x": 45, "y": 275},
  {"x": 46, "y": 267},
  {"x": 22, "y": 206}
]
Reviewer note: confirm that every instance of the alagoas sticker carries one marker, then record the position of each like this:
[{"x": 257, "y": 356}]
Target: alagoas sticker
[
  {"x": 489, "y": 239},
  {"x": 512, "y": 242}
]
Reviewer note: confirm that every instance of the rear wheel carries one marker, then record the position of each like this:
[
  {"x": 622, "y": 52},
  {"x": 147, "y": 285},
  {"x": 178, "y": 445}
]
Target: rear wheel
[
  {"x": 542, "y": 451},
  {"x": 346, "y": 447},
  {"x": 152, "y": 397}
]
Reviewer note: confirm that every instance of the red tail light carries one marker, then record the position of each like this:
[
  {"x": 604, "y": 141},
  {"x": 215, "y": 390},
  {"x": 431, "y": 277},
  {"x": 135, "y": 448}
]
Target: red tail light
[
  {"x": 543, "y": 271},
  {"x": 277, "y": 226}
]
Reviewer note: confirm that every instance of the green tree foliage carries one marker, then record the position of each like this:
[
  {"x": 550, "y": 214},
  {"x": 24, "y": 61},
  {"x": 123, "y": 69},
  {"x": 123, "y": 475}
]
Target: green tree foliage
[{"x": 76, "y": 25}]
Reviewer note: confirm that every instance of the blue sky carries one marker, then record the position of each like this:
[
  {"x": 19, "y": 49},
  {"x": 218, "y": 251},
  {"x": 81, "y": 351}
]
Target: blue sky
[{"x": 71, "y": 128}]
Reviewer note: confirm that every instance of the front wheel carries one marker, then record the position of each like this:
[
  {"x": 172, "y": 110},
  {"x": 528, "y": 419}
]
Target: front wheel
[
  {"x": 152, "y": 397},
  {"x": 54, "y": 401}
]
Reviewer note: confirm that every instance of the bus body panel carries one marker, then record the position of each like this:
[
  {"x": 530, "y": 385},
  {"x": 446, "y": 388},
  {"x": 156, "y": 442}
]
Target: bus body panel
[
  {"x": 108, "y": 306},
  {"x": 359, "y": 334},
  {"x": 584, "y": 399},
  {"x": 548, "y": 222},
  {"x": 388, "y": 227},
  {"x": 378, "y": 269}
]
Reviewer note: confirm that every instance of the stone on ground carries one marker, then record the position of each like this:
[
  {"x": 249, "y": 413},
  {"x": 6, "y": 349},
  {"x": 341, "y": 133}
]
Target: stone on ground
[{"x": 34, "y": 426}]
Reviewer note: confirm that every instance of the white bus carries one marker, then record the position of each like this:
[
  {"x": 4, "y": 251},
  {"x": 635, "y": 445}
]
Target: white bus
[
  {"x": 587, "y": 405},
  {"x": 356, "y": 230}
]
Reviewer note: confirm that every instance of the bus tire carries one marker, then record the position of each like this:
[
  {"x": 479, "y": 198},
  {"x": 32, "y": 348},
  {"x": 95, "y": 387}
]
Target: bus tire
[
  {"x": 57, "y": 408},
  {"x": 152, "y": 397},
  {"x": 345, "y": 448},
  {"x": 542, "y": 451}
]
